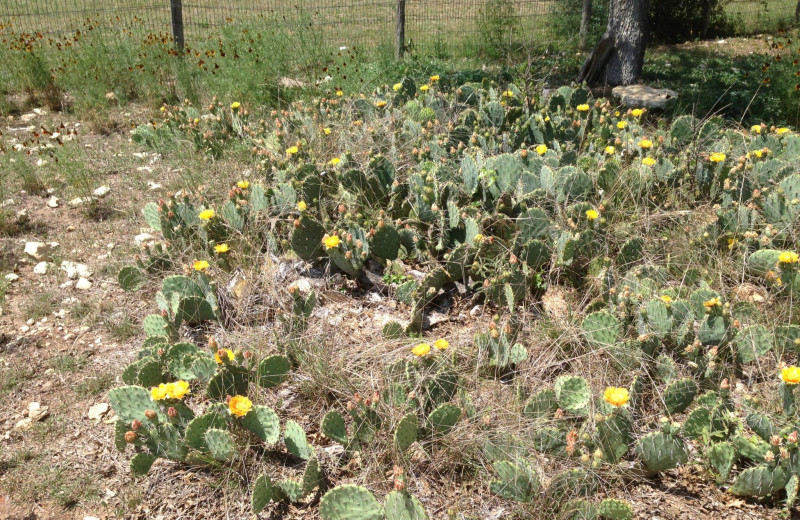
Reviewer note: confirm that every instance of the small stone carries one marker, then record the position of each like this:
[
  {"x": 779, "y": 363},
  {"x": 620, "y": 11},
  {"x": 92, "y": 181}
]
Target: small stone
[
  {"x": 475, "y": 311},
  {"x": 67, "y": 284},
  {"x": 12, "y": 277},
  {"x": 25, "y": 118},
  {"x": 75, "y": 270},
  {"x": 30, "y": 321},
  {"x": 96, "y": 412},
  {"x": 143, "y": 238},
  {"x": 101, "y": 192},
  {"x": 642, "y": 96},
  {"x": 77, "y": 201},
  {"x": 152, "y": 186},
  {"x": 52, "y": 202},
  {"x": 37, "y": 250},
  {"x": 24, "y": 329},
  {"x": 42, "y": 268},
  {"x": 83, "y": 284}
]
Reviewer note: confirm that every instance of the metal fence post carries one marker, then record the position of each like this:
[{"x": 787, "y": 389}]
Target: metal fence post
[
  {"x": 400, "y": 33},
  {"x": 177, "y": 24}
]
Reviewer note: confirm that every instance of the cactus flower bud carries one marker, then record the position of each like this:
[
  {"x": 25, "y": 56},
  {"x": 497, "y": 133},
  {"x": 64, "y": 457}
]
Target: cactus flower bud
[
  {"x": 136, "y": 424},
  {"x": 725, "y": 384},
  {"x": 131, "y": 437},
  {"x": 784, "y": 453},
  {"x": 769, "y": 456},
  {"x": 775, "y": 440},
  {"x": 792, "y": 437},
  {"x": 150, "y": 414},
  {"x": 172, "y": 412}
]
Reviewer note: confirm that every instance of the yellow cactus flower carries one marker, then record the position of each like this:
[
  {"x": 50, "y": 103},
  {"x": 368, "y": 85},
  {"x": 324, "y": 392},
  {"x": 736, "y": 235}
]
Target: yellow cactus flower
[
  {"x": 240, "y": 405},
  {"x": 583, "y": 108},
  {"x": 636, "y": 112},
  {"x": 326, "y": 131},
  {"x": 756, "y": 129},
  {"x": 508, "y": 94},
  {"x": 541, "y": 149},
  {"x": 791, "y": 375},
  {"x": 228, "y": 354},
  {"x": 788, "y": 257},
  {"x": 434, "y": 78},
  {"x": 397, "y": 86},
  {"x": 782, "y": 130},
  {"x": 622, "y": 124},
  {"x": 380, "y": 104},
  {"x": 648, "y": 161},
  {"x": 178, "y": 389},
  {"x": 592, "y": 214},
  {"x": 243, "y": 185},
  {"x": 334, "y": 161},
  {"x": 302, "y": 206},
  {"x": 441, "y": 344},
  {"x": 666, "y": 299},
  {"x": 758, "y": 153},
  {"x": 221, "y": 248},
  {"x": 477, "y": 238},
  {"x": 159, "y": 393},
  {"x": 207, "y": 214},
  {"x": 616, "y": 396},
  {"x": 424, "y": 88},
  {"x": 717, "y": 157},
  {"x": 713, "y": 302},
  {"x": 610, "y": 150},
  {"x": 200, "y": 265},
  {"x": 331, "y": 242},
  {"x": 421, "y": 350},
  {"x": 646, "y": 143},
  {"x": 235, "y": 105},
  {"x": 339, "y": 93},
  {"x": 292, "y": 150}
]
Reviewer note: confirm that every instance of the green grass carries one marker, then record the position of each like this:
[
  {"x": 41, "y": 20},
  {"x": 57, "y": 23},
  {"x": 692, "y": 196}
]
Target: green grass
[
  {"x": 68, "y": 363},
  {"x": 39, "y": 305}
]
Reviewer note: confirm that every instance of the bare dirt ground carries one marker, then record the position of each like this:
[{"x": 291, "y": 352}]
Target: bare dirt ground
[{"x": 62, "y": 349}]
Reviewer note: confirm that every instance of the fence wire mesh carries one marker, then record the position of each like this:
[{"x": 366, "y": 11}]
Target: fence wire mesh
[{"x": 440, "y": 26}]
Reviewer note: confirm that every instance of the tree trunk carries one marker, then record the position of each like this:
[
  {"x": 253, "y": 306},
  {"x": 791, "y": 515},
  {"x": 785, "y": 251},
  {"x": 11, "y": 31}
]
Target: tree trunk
[
  {"x": 627, "y": 25},
  {"x": 797, "y": 12},
  {"x": 586, "y": 18}
]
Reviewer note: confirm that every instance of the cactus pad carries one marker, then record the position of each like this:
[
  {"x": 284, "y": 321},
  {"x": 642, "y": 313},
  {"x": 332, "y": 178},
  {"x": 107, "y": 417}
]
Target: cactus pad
[
  {"x": 263, "y": 493},
  {"x": 660, "y": 451},
  {"x": 406, "y": 432},
  {"x": 334, "y": 428},
  {"x": 679, "y": 395},
  {"x": 130, "y": 402},
  {"x": 195, "y": 434},
  {"x": 753, "y": 342},
  {"x": 601, "y": 329},
  {"x": 400, "y": 505},
  {"x": 131, "y": 278},
  {"x": 573, "y": 394},
  {"x": 141, "y": 463},
  {"x": 263, "y": 422},
  {"x": 350, "y": 502},
  {"x": 722, "y": 456},
  {"x": 444, "y": 418},
  {"x": 296, "y": 443},
  {"x": 272, "y": 371},
  {"x": 760, "y": 481},
  {"x": 220, "y": 443},
  {"x": 613, "y": 509},
  {"x": 517, "y": 481}
]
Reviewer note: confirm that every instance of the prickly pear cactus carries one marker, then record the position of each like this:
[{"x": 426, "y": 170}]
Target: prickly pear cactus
[
  {"x": 400, "y": 505},
  {"x": 661, "y": 451},
  {"x": 679, "y": 395},
  {"x": 263, "y": 493},
  {"x": 516, "y": 481},
  {"x": 601, "y": 328},
  {"x": 573, "y": 394},
  {"x": 760, "y": 481},
  {"x": 296, "y": 443},
  {"x": 350, "y": 502},
  {"x": 406, "y": 432},
  {"x": 614, "y": 509},
  {"x": 264, "y": 422},
  {"x": 334, "y": 428}
]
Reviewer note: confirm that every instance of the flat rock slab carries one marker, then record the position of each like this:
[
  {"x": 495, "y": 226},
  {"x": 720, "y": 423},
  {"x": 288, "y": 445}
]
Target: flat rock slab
[{"x": 642, "y": 96}]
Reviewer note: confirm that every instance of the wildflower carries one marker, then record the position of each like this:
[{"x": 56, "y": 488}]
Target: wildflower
[
  {"x": 441, "y": 344},
  {"x": 717, "y": 157},
  {"x": 235, "y": 105},
  {"x": 243, "y": 185},
  {"x": 159, "y": 393},
  {"x": 207, "y": 214},
  {"x": 713, "y": 302},
  {"x": 421, "y": 350},
  {"x": 758, "y": 153},
  {"x": 239, "y": 405},
  {"x": 380, "y": 104},
  {"x": 648, "y": 161},
  {"x": 616, "y": 396},
  {"x": 302, "y": 206},
  {"x": 178, "y": 389},
  {"x": 228, "y": 353},
  {"x": 636, "y": 112},
  {"x": 221, "y": 248},
  {"x": 334, "y": 161},
  {"x": 434, "y": 78},
  {"x": 477, "y": 239},
  {"x": 666, "y": 299},
  {"x": 592, "y": 214},
  {"x": 788, "y": 257},
  {"x": 756, "y": 129},
  {"x": 326, "y": 131},
  {"x": 339, "y": 93},
  {"x": 200, "y": 265},
  {"x": 292, "y": 150},
  {"x": 397, "y": 87},
  {"x": 331, "y": 242},
  {"x": 781, "y": 131},
  {"x": 645, "y": 143},
  {"x": 622, "y": 124},
  {"x": 541, "y": 149},
  {"x": 791, "y": 375},
  {"x": 610, "y": 150},
  {"x": 583, "y": 108},
  {"x": 424, "y": 88}
]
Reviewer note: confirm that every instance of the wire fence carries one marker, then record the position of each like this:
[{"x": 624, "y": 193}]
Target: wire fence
[{"x": 431, "y": 25}]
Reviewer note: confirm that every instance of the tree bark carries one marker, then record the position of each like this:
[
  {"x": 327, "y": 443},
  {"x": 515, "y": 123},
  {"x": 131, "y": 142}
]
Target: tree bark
[
  {"x": 797, "y": 12},
  {"x": 586, "y": 17},
  {"x": 627, "y": 26}
]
